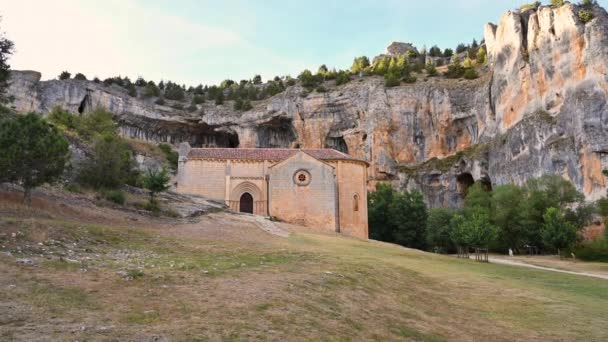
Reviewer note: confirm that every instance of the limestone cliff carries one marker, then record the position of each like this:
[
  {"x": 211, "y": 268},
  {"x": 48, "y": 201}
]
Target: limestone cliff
[{"x": 539, "y": 107}]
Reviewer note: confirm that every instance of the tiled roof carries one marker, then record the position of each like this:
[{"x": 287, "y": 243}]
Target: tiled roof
[{"x": 265, "y": 153}]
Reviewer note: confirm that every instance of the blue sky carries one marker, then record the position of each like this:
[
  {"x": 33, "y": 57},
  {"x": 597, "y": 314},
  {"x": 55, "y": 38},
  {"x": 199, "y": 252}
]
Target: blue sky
[{"x": 199, "y": 41}]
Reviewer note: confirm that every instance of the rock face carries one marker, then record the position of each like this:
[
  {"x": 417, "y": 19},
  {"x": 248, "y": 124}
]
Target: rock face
[{"x": 539, "y": 107}]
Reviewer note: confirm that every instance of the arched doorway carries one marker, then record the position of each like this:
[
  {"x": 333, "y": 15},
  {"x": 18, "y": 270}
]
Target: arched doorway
[{"x": 246, "y": 203}]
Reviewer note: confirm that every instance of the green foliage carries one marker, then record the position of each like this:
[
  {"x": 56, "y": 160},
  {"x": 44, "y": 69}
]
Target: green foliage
[
  {"x": 556, "y": 232},
  {"x": 455, "y": 70},
  {"x": 219, "y": 99},
  {"x": 342, "y": 78},
  {"x": 290, "y": 81},
  {"x": 435, "y": 51},
  {"x": 593, "y": 251},
  {"x": 198, "y": 99},
  {"x": 174, "y": 91},
  {"x": 482, "y": 56},
  {"x": 397, "y": 217},
  {"x": 140, "y": 82},
  {"x": 131, "y": 90},
  {"x": 96, "y": 123},
  {"x": 439, "y": 228},
  {"x": 111, "y": 164},
  {"x": 308, "y": 80},
  {"x": 80, "y": 77},
  {"x": 380, "y": 224},
  {"x": 226, "y": 84},
  {"x": 409, "y": 214},
  {"x": 585, "y": 16},
  {"x": 320, "y": 89},
  {"x": 151, "y": 90},
  {"x": 33, "y": 152},
  {"x": 359, "y": 64},
  {"x": 508, "y": 205},
  {"x": 257, "y": 79},
  {"x": 242, "y": 104},
  {"x": 64, "y": 75},
  {"x": 63, "y": 118},
  {"x": 172, "y": 156},
  {"x": 391, "y": 80},
  {"x": 470, "y": 73},
  {"x": 558, "y": 3},
  {"x": 156, "y": 181},
  {"x": 447, "y": 53},
  {"x": 475, "y": 230},
  {"x": 533, "y": 6},
  {"x": 6, "y": 50},
  {"x": 115, "y": 196},
  {"x": 430, "y": 68},
  {"x": 461, "y": 48}
]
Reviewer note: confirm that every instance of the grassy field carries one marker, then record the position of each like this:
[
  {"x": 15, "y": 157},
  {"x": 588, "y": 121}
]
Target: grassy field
[{"x": 105, "y": 275}]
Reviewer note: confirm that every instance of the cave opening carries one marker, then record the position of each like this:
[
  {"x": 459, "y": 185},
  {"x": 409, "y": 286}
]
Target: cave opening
[
  {"x": 277, "y": 133},
  {"x": 218, "y": 139},
  {"x": 83, "y": 104},
  {"x": 464, "y": 181},
  {"x": 336, "y": 143},
  {"x": 486, "y": 183}
]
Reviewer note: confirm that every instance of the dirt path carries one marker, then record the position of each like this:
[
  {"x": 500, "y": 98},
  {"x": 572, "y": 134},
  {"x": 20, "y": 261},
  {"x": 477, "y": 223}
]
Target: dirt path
[{"x": 503, "y": 261}]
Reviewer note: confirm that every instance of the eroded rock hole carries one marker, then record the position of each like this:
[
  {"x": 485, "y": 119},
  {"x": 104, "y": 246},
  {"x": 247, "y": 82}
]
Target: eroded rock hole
[
  {"x": 464, "y": 182},
  {"x": 84, "y": 104},
  {"x": 219, "y": 139},
  {"x": 278, "y": 133},
  {"x": 486, "y": 183},
  {"x": 337, "y": 143}
]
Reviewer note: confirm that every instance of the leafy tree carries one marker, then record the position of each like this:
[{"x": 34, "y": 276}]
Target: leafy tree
[
  {"x": 430, "y": 68},
  {"x": 439, "y": 228},
  {"x": 63, "y": 118},
  {"x": 6, "y": 50},
  {"x": 65, "y": 75},
  {"x": 391, "y": 80},
  {"x": 257, "y": 79},
  {"x": 360, "y": 64},
  {"x": 97, "y": 122},
  {"x": 378, "y": 202},
  {"x": 227, "y": 83},
  {"x": 161, "y": 85},
  {"x": 477, "y": 200},
  {"x": 447, "y": 53},
  {"x": 33, "y": 152},
  {"x": 342, "y": 78},
  {"x": 556, "y": 232},
  {"x": 140, "y": 82},
  {"x": 322, "y": 70},
  {"x": 380, "y": 66},
  {"x": 172, "y": 156},
  {"x": 461, "y": 234},
  {"x": 408, "y": 214},
  {"x": 290, "y": 81},
  {"x": 461, "y": 48},
  {"x": 558, "y": 3},
  {"x": 219, "y": 99},
  {"x": 435, "y": 51},
  {"x": 473, "y": 230},
  {"x": 309, "y": 80},
  {"x": 132, "y": 91},
  {"x": 156, "y": 181},
  {"x": 174, "y": 91},
  {"x": 151, "y": 90},
  {"x": 111, "y": 164},
  {"x": 482, "y": 56},
  {"x": 508, "y": 202},
  {"x": 80, "y": 77}
]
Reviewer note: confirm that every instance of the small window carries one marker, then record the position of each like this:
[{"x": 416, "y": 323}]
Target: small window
[
  {"x": 356, "y": 202},
  {"x": 301, "y": 178}
]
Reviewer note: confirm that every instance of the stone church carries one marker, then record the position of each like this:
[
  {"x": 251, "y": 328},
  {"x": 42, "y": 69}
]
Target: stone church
[{"x": 319, "y": 188}]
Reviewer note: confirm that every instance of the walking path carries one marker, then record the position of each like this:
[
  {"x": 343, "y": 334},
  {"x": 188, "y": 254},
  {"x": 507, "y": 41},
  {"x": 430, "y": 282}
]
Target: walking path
[{"x": 523, "y": 264}]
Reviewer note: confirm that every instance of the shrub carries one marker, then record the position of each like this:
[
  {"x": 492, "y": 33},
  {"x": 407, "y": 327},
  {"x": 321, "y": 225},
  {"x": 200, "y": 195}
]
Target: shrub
[
  {"x": 80, "y": 77},
  {"x": 151, "y": 90},
  {"x": 63, "y": 118},
  {"x": 558, "y": 3},
  {"x": 115, "y": 196},
  {"x": 33, "y": 152},
  {"x": 470, "y": 73},
  {"x": 359, "y": 64},
  {"x": 342, "y": 78},
  {"x": 454, "y": 71},
  {"x": 140, "y": 82},
  {"x": 174, "y": 92},
  {"x": 73, "y": 188},
  {"x": 430, "y": 68},
  {"x": 533, "y": 5},
  {"x": 131, "y": 90},
  {"x": 482, "y": 56},
  {"x": 95, "y": 123},
  {"x": 585, "y": 16},
  {"x": 556, "y": 232},
  {"x": 409, "y": 78},
  {"x": 290, "y": 81},
  {"x": 321, "y": 89},
  {"x": 65, "y": 75},
  {"x": 439, "y": 229},
  {"x": 156, "y": 181},
  {"x": 172, "y": 156},
  {"x": 391, "y": 80},
  {"x": 435, "y": 51},
  {"x": 309, "y": 80},
  {"x": 96, "y": 80},
  {"x": 409, "y": 214},
  {"x": 198, "y": 99},
  {"x": 593, "y": 251},
  {"x": 111, "y": 164},
  {"x": 447, "y": 53}
]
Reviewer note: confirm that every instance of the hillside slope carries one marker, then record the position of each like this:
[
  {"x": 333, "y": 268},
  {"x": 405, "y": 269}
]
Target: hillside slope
[
  {"x": 539, "y": 107},
  {"x": 72, "y": 272}
]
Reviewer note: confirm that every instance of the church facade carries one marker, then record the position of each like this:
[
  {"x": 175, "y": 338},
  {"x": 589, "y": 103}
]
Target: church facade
[{"x": 318, "y": 188}]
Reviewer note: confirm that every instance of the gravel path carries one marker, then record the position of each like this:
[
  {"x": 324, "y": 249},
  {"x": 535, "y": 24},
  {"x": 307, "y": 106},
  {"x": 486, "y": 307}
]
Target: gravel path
[{"x": 523, "y": 264}]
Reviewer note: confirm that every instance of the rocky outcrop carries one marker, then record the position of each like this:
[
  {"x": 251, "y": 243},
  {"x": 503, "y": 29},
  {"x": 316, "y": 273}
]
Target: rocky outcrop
[{"x": 539, "y": 107}]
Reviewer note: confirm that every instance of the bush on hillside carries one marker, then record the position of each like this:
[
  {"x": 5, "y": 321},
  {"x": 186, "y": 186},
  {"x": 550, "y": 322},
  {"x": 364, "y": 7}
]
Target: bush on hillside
[
  {"x": 65, "y": 75},
  {"x": 80, "y": 77},
  {"x": 585, "y": 16},
  {"x": 115, "y": 196},
  {"x": 170, "y": 154},
  {"x": 593, "y": 251},
  {"x": 391, "y": 80},
  {"x": 470, "y": 73}
]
